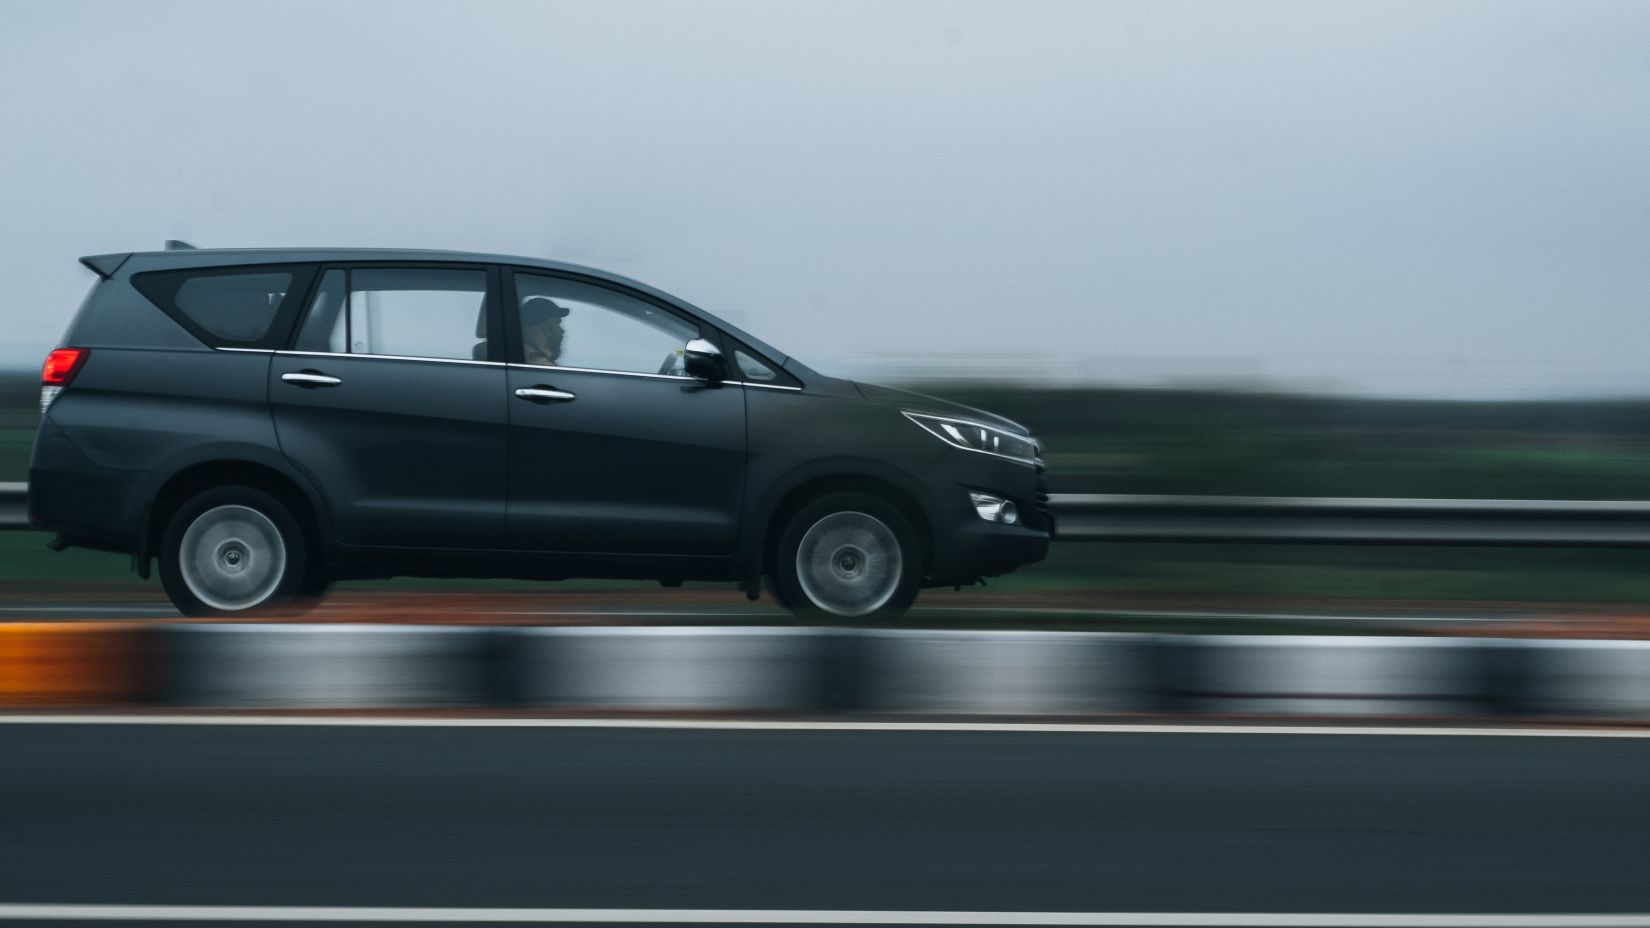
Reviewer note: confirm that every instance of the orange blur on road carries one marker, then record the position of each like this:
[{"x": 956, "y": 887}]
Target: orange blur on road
[{"x": 73, "y": 663}]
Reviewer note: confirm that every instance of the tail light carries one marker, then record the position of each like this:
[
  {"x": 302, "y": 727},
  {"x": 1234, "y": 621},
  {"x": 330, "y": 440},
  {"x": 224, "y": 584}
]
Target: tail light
[{"x": 61, "y": 366}]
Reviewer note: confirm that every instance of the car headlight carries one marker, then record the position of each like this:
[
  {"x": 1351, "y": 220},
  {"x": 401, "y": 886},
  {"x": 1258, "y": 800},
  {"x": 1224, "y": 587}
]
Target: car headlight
[{"x": 977, "y": 436}]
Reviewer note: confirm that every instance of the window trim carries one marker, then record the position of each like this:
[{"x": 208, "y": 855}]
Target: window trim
[
  {"x": 680, "y": 378},
  {"x": 491, "y": 304},
  {"x": 504, "y": 326},
  {"x": 282, "y": 326},
  {"x": 303, "y": 353},
  {"x": 600, "y": 370},
  {"x": 783, "y": 379},
  {"x": 708, "y": 329},
  {"x": 517, "y": 357}
]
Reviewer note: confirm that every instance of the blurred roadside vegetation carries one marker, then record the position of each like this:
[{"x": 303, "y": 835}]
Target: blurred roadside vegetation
[
  {"x": 19, "y": 415},
  {"x": 1101, "y": 440}
]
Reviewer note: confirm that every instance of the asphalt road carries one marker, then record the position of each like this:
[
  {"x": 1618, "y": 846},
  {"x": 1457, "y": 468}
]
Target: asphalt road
[{"x": 802, "y": 820}]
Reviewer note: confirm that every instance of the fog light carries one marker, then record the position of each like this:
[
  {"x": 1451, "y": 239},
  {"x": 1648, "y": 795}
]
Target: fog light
[{"x": 994, "y": 508}]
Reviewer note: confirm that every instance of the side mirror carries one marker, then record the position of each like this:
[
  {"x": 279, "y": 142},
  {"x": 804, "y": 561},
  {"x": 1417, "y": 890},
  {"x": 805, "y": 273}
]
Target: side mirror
[{"x": 704, "y": 360}]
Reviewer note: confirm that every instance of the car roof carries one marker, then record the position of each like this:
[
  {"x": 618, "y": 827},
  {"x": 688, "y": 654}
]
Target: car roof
[{"x": 187, "y": 257}]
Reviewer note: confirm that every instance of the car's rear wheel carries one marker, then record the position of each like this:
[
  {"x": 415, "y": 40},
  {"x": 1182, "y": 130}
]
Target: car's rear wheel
[
  {"x": 232, "y": 551},
  {"x": 847, "y": 556}
]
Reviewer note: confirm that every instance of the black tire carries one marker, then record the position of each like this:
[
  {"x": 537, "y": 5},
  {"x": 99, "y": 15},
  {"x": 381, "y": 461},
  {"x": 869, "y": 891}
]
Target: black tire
[
  {"x": 863, "y": 563},
  {"x": 247, "y": 556}
]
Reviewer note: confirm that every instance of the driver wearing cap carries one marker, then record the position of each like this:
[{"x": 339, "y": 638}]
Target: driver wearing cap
[{"x": 541, "y": 331}]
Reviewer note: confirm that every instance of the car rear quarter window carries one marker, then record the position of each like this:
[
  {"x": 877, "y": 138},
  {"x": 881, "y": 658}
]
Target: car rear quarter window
[{"x": 244, "y": 307}]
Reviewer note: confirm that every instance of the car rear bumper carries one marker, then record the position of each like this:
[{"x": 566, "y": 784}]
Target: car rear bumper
[{"x": 73, "y": 497}]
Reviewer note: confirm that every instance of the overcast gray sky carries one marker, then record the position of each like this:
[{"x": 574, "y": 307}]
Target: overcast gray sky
[{"x": 1428, "y": 197}]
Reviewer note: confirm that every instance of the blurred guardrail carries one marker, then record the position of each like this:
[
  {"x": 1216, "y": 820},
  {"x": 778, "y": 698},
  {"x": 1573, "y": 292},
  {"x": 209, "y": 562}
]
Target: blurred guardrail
[
  {"x": 14, "y": 505},
  {"x": 1351, "y": 520},
  {"x": 830, "y": 671},
  {"x": 1099, "y": 517}
]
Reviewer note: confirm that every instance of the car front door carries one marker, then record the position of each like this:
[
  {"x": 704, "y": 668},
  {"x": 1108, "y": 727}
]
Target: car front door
[
  {"x": 391, "y": 401},
  {"x": 613, "y": 448}
]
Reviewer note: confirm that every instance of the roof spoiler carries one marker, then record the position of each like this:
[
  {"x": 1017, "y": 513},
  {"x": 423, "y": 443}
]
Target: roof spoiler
[{"x": 105, "y": 266}]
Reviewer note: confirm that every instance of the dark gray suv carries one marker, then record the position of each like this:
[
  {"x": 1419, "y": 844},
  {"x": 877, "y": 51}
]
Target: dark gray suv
[{"x": 264, "y": 422}]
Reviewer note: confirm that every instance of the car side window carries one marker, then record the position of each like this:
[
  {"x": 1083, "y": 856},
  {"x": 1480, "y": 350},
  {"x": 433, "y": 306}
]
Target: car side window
[
  {"x": 407, "y": 312},
  {"x": 752, "y": 369},
  {"x": 568, "y": 323}
]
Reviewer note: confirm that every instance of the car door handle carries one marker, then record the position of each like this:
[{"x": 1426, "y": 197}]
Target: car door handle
[
  {"x": 310, "y": 379},
  {"x": 545, "y": 394}
]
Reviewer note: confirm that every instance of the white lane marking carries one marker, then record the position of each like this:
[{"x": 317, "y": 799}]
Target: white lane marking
[
  {"x": 323, "y": 721},
  {"x": 250, "y": 913}
]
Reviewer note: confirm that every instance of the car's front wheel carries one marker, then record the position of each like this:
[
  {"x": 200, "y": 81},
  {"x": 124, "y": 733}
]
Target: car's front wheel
[
  {"x": 847, "y": 556},
  {"x": 232, "y": 550}
]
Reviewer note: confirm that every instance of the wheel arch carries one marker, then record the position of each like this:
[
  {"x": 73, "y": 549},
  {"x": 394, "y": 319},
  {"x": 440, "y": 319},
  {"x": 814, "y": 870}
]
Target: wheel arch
[
  {"x": 186, "y": 482},
  {"x": 812, "y": 488}
]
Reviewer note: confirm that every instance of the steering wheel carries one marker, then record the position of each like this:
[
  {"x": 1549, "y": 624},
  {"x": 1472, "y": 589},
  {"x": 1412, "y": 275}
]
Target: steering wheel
[{"x": 669, "y": 366}]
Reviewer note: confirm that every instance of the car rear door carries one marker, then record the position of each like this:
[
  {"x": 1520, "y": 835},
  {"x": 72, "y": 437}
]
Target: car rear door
[
  {"x": 391, "y": 399},
  {"x": 613, "y": 449}
]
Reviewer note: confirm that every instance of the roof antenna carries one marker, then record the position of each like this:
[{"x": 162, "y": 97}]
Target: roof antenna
[{"x": 173, "y": 244}]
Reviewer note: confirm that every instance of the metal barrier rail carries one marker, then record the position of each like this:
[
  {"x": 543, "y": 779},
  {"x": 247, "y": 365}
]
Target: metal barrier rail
[
  {"x": 1291, "y": 519},
  {"x": 1351, "y": 520},
  {"x": 14, "y": 505}
]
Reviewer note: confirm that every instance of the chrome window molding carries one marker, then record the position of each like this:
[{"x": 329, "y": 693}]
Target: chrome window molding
[
  {"x": 678, "y": 377},
  {"x": 596, "y": 370},
  {"x": 386, "y": 357},
  {"x": 531, "y": 367}
]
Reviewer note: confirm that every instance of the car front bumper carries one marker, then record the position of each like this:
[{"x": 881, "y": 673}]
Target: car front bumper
[{"x": 966, "y": 547}]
